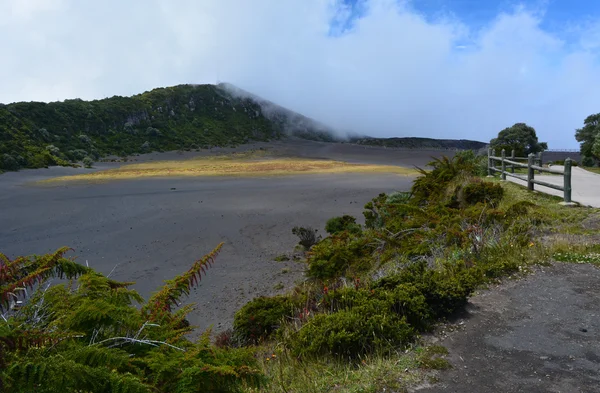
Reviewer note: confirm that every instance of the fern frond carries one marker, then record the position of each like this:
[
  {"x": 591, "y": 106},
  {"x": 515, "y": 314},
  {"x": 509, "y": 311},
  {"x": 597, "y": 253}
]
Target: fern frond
[
  {"x": 163, "y": 301},
  {"x": 60, "y": 374},
  {"x": 28, "y": 272},
  {"x": 33, "y": 338}
]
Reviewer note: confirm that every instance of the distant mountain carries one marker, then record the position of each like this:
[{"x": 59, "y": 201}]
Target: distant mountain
[
  {"x": 420, "y": 143},
  {"x": 36, "y": 134}
]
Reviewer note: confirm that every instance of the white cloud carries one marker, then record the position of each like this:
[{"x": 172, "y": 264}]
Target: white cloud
[{"x": 393, "y": 73}]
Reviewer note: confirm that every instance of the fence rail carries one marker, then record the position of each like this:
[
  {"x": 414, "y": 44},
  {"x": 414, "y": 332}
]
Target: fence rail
[{"x": 531, "y": 166}]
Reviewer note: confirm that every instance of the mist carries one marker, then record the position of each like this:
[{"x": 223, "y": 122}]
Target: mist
[{"x": 385, "y": 71}]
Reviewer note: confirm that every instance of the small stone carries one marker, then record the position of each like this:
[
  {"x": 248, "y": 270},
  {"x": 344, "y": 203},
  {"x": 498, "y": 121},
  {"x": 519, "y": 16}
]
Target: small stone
[{"x": 583, "y": 330}]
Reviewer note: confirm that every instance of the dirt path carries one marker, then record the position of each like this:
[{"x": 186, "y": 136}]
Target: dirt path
[
  {"x": 538, "y": 334},
  {"x": 585, "y": 185}
]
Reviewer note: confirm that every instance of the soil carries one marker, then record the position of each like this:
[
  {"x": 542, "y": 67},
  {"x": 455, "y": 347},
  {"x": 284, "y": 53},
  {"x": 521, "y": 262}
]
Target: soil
[
  {"x": 533, "y": 335},
  {"x": 149, "y": 230}
]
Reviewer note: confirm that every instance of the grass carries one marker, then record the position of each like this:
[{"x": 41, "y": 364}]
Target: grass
[
  {"x": 234, "y": 165},
  {"x": 593, "y": 169},
  {"x": 562, "y": 235},
  {"x": 374, "y": 373}
]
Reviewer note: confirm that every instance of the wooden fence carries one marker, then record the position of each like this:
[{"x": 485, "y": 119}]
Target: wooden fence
[{"x": 512, "y": 162}]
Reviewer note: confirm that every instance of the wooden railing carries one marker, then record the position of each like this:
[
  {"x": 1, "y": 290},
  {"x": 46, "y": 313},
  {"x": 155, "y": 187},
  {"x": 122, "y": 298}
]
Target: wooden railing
[{"x": 531, "y": 167}]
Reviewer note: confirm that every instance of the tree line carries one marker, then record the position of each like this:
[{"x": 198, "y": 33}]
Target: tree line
[{"x": 523, "y": 140}]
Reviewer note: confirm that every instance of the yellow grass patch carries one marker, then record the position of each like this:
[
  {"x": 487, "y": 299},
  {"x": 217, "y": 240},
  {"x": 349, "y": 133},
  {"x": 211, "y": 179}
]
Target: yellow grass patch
[{"x": 212, "y": 166}]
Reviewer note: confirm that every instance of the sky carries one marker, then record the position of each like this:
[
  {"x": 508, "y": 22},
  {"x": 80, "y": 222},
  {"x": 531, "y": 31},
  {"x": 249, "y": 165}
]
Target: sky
[{"x": 432, "y": 68}]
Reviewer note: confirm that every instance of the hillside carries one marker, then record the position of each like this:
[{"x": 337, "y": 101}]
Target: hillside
[
  {"x": 420, "y": 143},
  {"x": 36, "y": 134}
]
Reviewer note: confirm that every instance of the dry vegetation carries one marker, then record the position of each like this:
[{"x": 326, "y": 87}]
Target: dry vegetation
[{"x": 243, "y": 164}]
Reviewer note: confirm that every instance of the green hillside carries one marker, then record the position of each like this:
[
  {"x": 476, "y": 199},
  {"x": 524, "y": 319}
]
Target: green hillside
[{"x": 36, "y": 134}]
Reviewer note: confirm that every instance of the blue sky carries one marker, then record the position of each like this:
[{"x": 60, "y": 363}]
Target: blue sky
[
  {"x": 432, "y": 68},
  {"x": 478, "y": 13}
]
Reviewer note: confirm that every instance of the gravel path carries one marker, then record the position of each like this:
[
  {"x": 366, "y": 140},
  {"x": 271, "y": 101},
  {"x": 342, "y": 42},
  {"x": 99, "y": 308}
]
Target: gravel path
[
  {"x": 538, "y": 334},
  {"x": 585, "y": 185}
]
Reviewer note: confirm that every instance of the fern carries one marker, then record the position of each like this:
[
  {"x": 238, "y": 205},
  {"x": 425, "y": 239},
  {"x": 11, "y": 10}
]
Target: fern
[
  {"x": 26, "y": 273},
  {"x": 91, "y": 337},
  {"x": 163, "y": 301}
]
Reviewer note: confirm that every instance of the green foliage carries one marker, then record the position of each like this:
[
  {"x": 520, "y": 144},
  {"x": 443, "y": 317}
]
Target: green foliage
[
  {"x": 588, "y": 134},
  {"x": 521, "y": 138},
  {"x": 88, "y": 162},
  {"x": 350, "y": 333},
  {"x": 91, "y": 335},
  {"x": 162, "y": 119},
  {"x": 588, "y": 161},
  {"x": 437, "y": 185},
  {"x": 596, "y": 146},
  {"x": 445, "y": 291},
  {"x": 307, "y": 235},
  {"x": 419, "y": 259},
  {"x": 482, "y": 192},
  {"x": 260, "y": 317},
  {"x": 340, "y": 224},
  {"x": 334, "y": 255}
]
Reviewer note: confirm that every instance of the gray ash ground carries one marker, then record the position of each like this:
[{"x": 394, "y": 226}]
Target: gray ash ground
[
  {"x": 154, "y": 229},
  {"x": 532, "y": 335}
]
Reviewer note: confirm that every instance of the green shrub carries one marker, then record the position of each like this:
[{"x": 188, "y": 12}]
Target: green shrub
[
  {"x": 9, "y": 163},
  {"x": 404, "y": 299},
  {"x": 482, "y": 192},
  {"x": 307, "y": 235},
  {"x": 432, "y": 186},
  {"x": 445, "y": 291},
  {"x": 259, "y": 318},
  {"x": 353, "y": 332},
  {"x": 334, "y": 255},
  {"x": 398, "y": 197},
  {"x": 375, "y": 212},
  {"x": 340, "y": 224},
  {"x": 88, "y": 162},
  {"x": 588, "y": 161}
]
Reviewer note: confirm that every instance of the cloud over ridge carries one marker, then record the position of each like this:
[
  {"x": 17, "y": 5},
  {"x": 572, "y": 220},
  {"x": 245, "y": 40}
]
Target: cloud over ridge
[{"x": 379, "y": 67}]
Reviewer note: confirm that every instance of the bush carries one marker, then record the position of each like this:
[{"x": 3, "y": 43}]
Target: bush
[
  {"x": 77, "y": 154},
  {"x": 444, "y": 292},
  {"x": 588, "y": 161},
  {"x": 88, "y": 162},
  {"x": 307, "y": 235},
  {"x": 353, "y": 332},
  {"x": 398, "y": 197},
  {"x": 53, "y": 149},
  {"x": 340, "y": 224},
  {"x": 259, "y": 318},
  {"x": 9, "y": 163},
  {"x": 333, "y": 256},
  {"x": 481, "y": 192}
]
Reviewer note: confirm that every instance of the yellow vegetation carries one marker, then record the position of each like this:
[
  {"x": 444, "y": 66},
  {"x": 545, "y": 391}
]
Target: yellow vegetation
[{"x": 212, "y": 166}]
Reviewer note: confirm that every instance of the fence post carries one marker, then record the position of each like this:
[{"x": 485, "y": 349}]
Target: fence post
[
  {"x": 530, "y": 171},
  {"x": 503, "y": 164},
  {"x": 539, "y": 160},
  {"x": 490, "y": 163},
  {"x": 512, "y": 157},
  {"x": 567, "y": 184}
]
